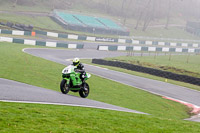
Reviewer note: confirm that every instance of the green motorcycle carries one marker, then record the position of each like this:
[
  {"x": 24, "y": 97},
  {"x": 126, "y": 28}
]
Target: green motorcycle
[{"x": 72, "y": 81}]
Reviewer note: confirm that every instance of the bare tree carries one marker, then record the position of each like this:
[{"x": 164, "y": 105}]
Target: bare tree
[
  {"x": 107, "y": 6},
  {"x": 53, "y": 5},
  {"x": 15, "y": 3},
  {"x": 149, "y": 15},
  {"x": 122, "y": 7},
  {"x": 128, "y": 7},
  {"x": 168, "y": 14},
  {"x": 152, "y": 14},
  {"x": 146, "y": 22},
  {"x": 142, "y": 11}
]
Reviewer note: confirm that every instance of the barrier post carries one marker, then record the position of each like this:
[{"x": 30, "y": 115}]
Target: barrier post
[
  {"x": 132, "y": 53},
  {"x": 33, "y": 33},
  {"x": 127, "y": 53},
  {"x": 155, "y": 55},
  {"x": 188, "y": 58},
  {"x": 170, "y": 54}
]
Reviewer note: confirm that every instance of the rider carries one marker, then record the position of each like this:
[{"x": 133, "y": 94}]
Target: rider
[{"x": 80, "y": 68}]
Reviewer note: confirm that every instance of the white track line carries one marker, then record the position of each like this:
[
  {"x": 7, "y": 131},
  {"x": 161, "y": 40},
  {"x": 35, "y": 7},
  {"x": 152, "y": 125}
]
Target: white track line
[{"x": 74, "y": 105}]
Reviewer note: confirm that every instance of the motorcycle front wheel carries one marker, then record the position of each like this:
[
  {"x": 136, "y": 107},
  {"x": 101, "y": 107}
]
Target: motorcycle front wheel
[
  {"x": 84, "y": 92},
  {"x": 64, "y": 87}
]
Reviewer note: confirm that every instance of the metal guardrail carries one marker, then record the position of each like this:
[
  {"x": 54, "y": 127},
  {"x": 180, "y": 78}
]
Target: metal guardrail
[
  {"x": 41, "y": 43},
  {"x": 131, "y": 42},
  {"x": 159, "y": 39},
  {"x": 148, "y": 49}
]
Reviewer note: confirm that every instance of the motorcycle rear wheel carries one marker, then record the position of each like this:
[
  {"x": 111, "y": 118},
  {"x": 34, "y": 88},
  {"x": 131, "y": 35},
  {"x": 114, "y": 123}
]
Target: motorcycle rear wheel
[
  {"x": 64, "y": 87},
  {"x": 84, "y": 92}
]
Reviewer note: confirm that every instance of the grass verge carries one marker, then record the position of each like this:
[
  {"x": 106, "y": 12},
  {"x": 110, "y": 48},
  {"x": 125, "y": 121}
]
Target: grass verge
[
  {"x": 39, "y": 21},
  {"x": 180, "y": 64},
  {"x": 161, "y": 32},
  {"x": 17, "y": 117}
]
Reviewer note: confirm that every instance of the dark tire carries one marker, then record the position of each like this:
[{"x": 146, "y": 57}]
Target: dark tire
[
  {"x": 84, "y": 92},
  {"x": 64, "y": 87}
]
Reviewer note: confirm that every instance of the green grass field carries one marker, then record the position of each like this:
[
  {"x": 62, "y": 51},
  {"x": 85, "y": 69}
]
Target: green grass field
[
  {"x": 9, "y": 6},
  {"x": 172, "y": 32},
  {"x": 39, "y": 21},
  {"x": 16, "y": 65},
  {"x": 16, "y": 117}
]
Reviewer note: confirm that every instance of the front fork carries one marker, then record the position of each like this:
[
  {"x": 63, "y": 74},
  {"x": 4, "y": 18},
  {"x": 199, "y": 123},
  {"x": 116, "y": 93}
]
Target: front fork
[{"x": 67, "y": 81}]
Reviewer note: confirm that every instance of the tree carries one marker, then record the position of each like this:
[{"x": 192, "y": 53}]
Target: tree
[
  {"x": 107, "y": 6},
  {"x": 15, "y": 3},
  {"x": 128, "y": 7},
  {"x": 122, "y": 7},
  {"x": 168, "y": 14},
  {"x": 142, "y": 11}
]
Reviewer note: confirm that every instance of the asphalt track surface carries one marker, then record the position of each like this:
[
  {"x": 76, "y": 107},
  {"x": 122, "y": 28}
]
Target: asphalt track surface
[
  {"x": 12, "y": 91},
  {"x": 153, "y": 86}
]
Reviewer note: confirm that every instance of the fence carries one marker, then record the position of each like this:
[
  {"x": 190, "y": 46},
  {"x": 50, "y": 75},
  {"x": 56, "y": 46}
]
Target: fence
[
  {"x": 147, "y": 49},
  {"x": 41, "y": 43},
  {"x": 103, "y": 39}
]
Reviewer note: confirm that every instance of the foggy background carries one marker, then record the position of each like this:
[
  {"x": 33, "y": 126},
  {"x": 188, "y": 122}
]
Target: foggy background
[
  {"x": 141, "y": 10},
  {"x": 136, "y": 15}
]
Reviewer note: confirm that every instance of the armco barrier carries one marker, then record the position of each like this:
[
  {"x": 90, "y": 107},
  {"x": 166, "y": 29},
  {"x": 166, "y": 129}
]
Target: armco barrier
[
  {"x": 156, "y": 72},
  {"x": 15, "y": 32},
  {"x": 41, "y": 43},
  {"x": 120, "y": 40},
  {"x": 104, "y": 39},
  {"x": 147, "y": 49}
]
